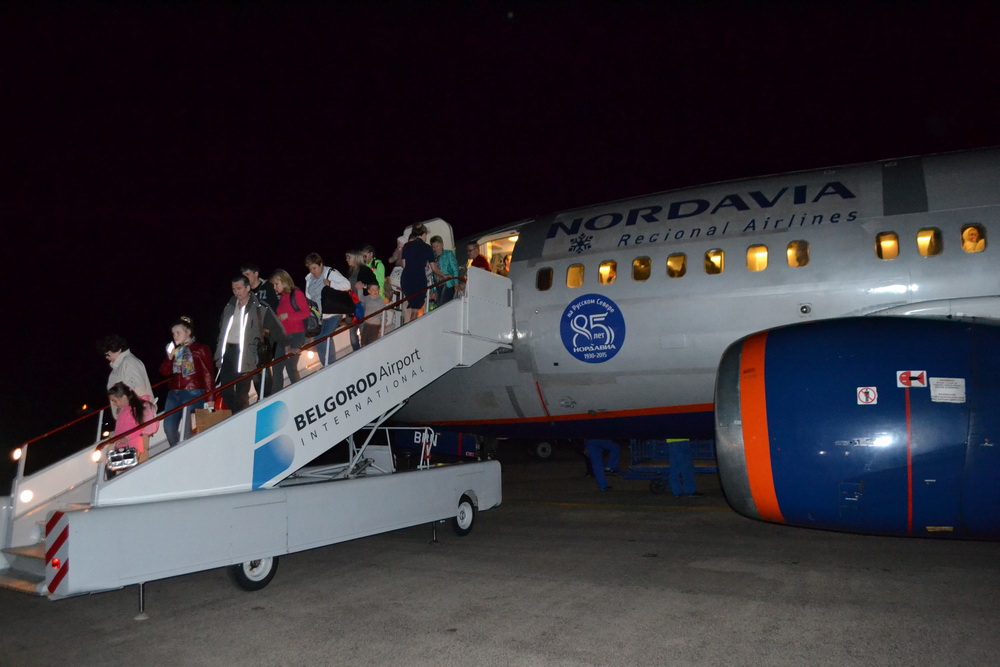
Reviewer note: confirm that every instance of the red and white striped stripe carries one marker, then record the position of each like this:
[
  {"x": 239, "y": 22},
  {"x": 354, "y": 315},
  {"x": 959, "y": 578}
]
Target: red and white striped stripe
[{"x": 56, "y": 552}]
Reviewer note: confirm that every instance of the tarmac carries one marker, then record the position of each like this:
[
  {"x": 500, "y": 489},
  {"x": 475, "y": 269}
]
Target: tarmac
[{"x": 559, "y": 574}]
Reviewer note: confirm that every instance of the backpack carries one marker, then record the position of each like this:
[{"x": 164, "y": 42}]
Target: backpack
[{"x": 313, "y": 323}]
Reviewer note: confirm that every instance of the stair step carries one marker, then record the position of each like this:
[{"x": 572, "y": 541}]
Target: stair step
[
  {"x": 22, "y": 582},
  {"x": 33, "y": 551},
  {"x": 26, "y": 561}
]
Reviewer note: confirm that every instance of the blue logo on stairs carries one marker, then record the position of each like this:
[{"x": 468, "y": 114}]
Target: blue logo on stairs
[{"x": 275, "y": 455}]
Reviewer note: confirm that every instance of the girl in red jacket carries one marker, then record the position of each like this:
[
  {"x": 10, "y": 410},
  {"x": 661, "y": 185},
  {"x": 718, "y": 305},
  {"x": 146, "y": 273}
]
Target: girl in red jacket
[{"x": 192, "y": 375}]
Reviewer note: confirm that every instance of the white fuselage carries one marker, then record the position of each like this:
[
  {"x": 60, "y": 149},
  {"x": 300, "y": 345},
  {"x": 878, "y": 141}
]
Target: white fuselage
[{"x": 656, "y": 378}]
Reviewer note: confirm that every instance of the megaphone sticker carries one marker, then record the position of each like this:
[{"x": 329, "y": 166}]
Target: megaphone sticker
[{"x": 911, "y": 379}]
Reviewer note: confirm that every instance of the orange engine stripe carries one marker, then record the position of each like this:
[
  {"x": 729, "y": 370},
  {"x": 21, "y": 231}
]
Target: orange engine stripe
[{"x": 756, "y": 443}]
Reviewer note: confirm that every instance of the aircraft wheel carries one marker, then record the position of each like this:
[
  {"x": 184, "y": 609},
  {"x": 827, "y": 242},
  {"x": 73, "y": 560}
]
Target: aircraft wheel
[
  {"x": 543, "y": 450},
  {"x": 657, "y": 487},
  {"x": 466, "y": 516},
  {"x": 255, "y": 574}
]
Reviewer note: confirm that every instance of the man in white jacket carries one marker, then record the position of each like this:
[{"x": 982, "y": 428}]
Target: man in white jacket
[{"x": 246, "y": 324}]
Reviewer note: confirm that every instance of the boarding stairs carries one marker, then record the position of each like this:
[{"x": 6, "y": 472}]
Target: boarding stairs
[{"x": 273, "y": 441}]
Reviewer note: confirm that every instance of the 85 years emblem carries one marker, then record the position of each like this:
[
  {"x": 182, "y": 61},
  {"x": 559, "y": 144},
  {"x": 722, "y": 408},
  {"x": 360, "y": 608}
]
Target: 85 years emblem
[{"x": 592, "y": 328}]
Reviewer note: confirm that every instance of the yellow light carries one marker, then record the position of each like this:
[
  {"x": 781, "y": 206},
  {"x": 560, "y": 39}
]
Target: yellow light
[
  {"x": 95, "y": 456},
  {"x": 16, "y": 454},
  {"x": 105, "y": 434},
  {"x": 26, "y": 496},
  {"x": 924, "y": 242},
  {"x": 83, "y": 407},
  {"x": 513, "y": 239},
  {"x": 310, "y": 355}
]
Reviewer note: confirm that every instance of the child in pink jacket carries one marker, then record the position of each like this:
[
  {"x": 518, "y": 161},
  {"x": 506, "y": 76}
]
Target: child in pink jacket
[{"x": 132, "y": 411}]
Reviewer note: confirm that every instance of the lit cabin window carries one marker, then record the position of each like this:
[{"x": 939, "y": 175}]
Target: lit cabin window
[
  {"x": 543, "y": 279},
  {"x": 929, "y": 242},
  {"x": 715, "y": 261},
  {"x": 676, "y": 265},
  {"x": 641, "y": 268},
  {"x": 798, "y": 254},
  {"x": 574, "y": 275},
  {"x": 607, "y": 272},
  {"x": 887, "y": 245},
  {"x": 973, "y": 238},
  {"x": 757, "y": 257}
]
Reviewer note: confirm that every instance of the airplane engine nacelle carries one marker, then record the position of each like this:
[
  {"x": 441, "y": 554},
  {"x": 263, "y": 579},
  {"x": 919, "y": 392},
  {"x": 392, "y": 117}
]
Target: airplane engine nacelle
[{"x": 878, "y": 425}]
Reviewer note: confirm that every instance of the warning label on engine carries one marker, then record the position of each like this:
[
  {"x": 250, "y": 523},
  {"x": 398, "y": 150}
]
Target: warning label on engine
[{"x": 948, "y": 390}]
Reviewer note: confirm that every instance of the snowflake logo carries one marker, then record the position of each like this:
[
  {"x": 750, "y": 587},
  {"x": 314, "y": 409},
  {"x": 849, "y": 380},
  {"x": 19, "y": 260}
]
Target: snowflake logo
[{"x": 580, "y": 243}]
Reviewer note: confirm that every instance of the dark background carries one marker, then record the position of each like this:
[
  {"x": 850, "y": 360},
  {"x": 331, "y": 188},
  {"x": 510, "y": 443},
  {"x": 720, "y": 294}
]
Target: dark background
[{"x": 149, "y": 149}]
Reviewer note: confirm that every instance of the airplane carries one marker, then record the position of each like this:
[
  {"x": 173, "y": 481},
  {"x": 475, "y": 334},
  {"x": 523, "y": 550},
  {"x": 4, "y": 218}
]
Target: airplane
[{"x": 622, "y": 313}]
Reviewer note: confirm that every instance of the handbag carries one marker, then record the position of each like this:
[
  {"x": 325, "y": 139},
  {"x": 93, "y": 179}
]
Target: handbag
[
  {"x": 312, "y": 324},
  {"x": 336, "y": 302},
  {"x": 122, "y": 457},
  {"x": 265, "y": 351}
]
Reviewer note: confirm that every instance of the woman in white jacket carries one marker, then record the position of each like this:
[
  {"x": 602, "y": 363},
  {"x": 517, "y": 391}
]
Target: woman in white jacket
[
  {"x": 125, "y": 367},
  {"x": 321, "y": 276}
]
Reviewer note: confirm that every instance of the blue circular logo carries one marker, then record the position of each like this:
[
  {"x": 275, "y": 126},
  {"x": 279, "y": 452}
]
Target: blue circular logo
[{"x": 592, "y": 328}]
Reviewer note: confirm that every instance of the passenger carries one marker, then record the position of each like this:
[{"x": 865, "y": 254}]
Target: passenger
[
  {"x": 445, "y": 266},
  {"x": 264, "y": 292},
  {"x": 262, "y": 289},
  {"x": 360, "y": 277},
  {"x": 417, "y": 255},
  {"x": 504, "y": 269},
  {"x": 139, "y": 411},
  {"x": 125, "y": 367},
  {"x": 478, "y": 260},
  {"x": 321, "y": 276},
  {"x": 293, "y": 311},
  {"x": 377, "y": 267},
  {"x": 596, "y": 450},
  {"x": 241, "y": 328},
  {"x": 372, "y": 326},
  {"x": 394, "y": 291},
  {"x": 397, "y": 255},
  {"x": 972, "y": 240},
  {"x": 192, "y": 375}
]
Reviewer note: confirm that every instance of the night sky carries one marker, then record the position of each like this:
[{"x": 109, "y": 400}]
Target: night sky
[{"x": 148, "y": 150}]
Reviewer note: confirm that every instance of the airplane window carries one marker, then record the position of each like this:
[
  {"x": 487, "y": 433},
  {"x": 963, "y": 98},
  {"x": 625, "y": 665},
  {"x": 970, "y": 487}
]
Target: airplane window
[
  {"x": 543, "y": 279},
  {"x": 641, "y": 268},
  {"x": 714, "y": 261},
  {"x": 929, "y": 242},
  {"x": 676, "y": 265},
  {"x": 607, "y": 272},
  {"x": 973, "y": 238},
  {"x": 887, "y": 245},
  {"x": 574, "y": 275},
  {"x": 757, "y": 257},
  {"x": 798, "y": 254}
]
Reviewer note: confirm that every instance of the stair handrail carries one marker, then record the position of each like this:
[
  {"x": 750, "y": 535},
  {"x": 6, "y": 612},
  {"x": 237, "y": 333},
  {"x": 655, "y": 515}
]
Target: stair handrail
[{"x": 20, "y": 453}]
